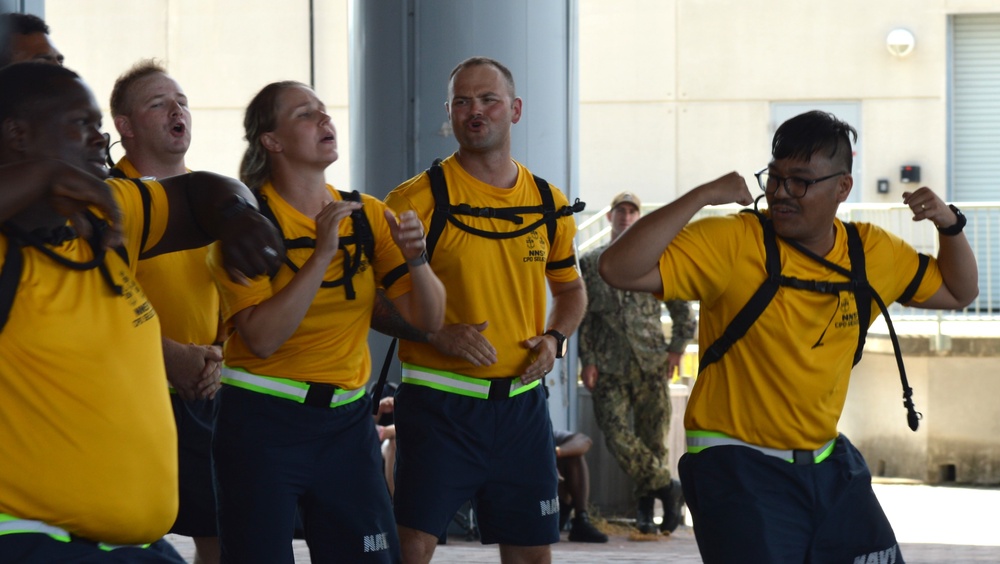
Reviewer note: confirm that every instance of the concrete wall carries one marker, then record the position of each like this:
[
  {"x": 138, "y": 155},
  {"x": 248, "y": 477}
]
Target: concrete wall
[
  {"x": 675, "y": 93},
  {"x": 222, "y": 52},
  {"x": 957, "y": 393}
]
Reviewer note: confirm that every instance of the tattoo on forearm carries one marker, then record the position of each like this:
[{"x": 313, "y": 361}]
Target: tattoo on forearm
[{"x": 387, "y": 320}]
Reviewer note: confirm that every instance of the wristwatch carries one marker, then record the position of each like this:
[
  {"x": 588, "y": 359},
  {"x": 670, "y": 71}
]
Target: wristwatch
[
  {"x": 560, "y": 342},
  {"x": 958, "y": 225},
  {"x": 418, "y": 260}
]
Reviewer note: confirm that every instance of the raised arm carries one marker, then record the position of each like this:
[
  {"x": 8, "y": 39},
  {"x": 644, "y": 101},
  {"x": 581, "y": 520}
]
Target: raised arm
[
  {"x": 955, "y": 257},
  {"x": 632, "y": 261},
  {"x": 205, "y": 207},
  {"x": 266, "y": 326},
  {"x": 39, "y": 187},
  {"x": 423, "y": 306}
]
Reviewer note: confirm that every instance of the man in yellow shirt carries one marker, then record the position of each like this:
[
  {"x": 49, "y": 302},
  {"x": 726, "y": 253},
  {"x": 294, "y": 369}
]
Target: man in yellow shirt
[
  {"x": 767, "y": 477},
  {"x": 89, "y": 467},
  {"x": 471, "y": 418},
  {"x": 151, "y": 114}
]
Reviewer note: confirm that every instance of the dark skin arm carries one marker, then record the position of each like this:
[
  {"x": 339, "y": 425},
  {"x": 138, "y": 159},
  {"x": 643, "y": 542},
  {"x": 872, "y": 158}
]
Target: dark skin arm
[
  {"x": 197, "y": 202},
  {"x": 44, "y": 192}
]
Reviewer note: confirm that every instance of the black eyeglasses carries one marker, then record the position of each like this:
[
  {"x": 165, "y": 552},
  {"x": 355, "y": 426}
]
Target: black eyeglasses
[{"x": 795, "y": 186}]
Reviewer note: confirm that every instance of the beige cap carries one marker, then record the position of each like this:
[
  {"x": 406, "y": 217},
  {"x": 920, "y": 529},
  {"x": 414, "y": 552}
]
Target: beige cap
[{"x": 626, "y": 198}]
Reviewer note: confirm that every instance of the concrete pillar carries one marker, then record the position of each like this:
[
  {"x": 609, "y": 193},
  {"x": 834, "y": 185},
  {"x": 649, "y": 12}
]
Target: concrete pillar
[{"x": 402, "y": 54}]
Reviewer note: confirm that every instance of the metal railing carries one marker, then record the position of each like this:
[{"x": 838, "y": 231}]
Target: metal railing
[{"x": 983, "y": 231}]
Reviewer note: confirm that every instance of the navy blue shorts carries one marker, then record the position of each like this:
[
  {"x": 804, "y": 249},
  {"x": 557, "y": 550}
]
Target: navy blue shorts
[
  {"x": 751, "y": 507},
  {"x": 195, "y": 426},
  {"x": 273, "y": 455},
  {"x": 498, "y": 453},
  {"x": 37, "y": 548}
]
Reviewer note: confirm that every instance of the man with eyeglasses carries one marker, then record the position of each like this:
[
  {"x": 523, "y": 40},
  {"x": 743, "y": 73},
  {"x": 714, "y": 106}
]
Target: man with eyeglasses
[{"x": 767, "y": 477}]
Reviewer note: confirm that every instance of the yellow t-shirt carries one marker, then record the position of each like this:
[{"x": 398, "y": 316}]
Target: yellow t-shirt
[
  {"x": 331, "y": 344},
  {"x": 502, "y": 281},
  {"x": 87, "y": 436},
  {"x": 181, "y": 288},
  {"x": 782, "y": 385}
]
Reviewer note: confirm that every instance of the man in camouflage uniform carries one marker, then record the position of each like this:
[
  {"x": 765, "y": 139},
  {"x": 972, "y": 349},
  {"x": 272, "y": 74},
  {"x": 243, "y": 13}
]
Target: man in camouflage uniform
[{"x": 627, "y": 364}]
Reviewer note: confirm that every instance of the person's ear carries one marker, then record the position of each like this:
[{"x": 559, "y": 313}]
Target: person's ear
[
  {"x": 14, "y": 134},
  {"x": 124, "y": 127},
  {"x": 844, "y": 188},
  {"x": 517, "y": 111},
  {"x": 270, "y": 143}
]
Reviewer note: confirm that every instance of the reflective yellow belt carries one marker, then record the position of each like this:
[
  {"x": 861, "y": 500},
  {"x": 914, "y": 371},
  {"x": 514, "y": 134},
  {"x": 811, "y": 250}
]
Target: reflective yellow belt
[
  {"x": 323, "y": 395},
  {"x": 10, "y": 525},
  {"x": 698, "y": 441},
  {"x": 482, "y": 388}
]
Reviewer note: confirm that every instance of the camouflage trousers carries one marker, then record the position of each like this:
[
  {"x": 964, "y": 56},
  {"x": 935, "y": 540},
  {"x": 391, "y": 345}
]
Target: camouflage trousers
[{"x": 638, "y": 443}]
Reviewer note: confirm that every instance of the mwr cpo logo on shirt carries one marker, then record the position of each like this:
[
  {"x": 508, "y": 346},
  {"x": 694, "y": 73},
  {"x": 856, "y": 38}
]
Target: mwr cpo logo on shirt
[
  {"x": 848, "y": 312},
  {"x": 536, "y": 247},
  {"x": 142, "y": 310}
]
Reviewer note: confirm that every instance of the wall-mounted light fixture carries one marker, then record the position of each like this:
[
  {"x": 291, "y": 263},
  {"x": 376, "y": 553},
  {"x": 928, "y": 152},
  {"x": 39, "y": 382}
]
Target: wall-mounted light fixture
[{"x": 900, "y": 42}]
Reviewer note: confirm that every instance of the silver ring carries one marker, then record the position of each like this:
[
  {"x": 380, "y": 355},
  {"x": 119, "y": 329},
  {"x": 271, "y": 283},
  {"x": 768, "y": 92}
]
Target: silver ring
[
  {"x": 923, "y": 206},
  {"x": 269, "y": 251}
]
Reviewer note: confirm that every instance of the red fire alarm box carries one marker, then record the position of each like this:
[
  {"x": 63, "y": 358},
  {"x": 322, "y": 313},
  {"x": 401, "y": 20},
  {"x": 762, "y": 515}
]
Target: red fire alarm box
[{"x": 909, "y": 173}]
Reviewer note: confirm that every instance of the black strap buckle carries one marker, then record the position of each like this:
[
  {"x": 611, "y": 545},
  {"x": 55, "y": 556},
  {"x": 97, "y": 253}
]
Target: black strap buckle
[
  {"x": 82, "y": 540},
  {"x": 803, "y": 457},
  {"x": 320, "y": 395},
  {"x": 500, "y": 388}
]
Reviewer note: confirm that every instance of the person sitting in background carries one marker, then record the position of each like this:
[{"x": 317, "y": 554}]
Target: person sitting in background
[
  {"x": 574, "y": 488},
  {"x": 386, "y": 429}
]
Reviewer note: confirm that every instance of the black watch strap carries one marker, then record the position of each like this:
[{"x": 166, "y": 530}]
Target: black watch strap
[
  {"x": 560, "y": 342},
  {"x": 957, "y": 227}
]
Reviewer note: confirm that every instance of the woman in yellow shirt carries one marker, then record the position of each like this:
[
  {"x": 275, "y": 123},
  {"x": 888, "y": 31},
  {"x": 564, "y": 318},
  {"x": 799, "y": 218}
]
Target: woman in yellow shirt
[{"x": 295, "y": 426}]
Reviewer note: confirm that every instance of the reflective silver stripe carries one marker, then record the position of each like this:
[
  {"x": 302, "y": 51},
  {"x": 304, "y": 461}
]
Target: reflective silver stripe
[
  {"x": 282, "y": 387},
  {"x": 10, "y": 525},
  {"x": 698, "y": 443},
  {"x": 477, "y": 386},
  {"x": 459, "y": 383},
  {"x": 14, "y": 525}
]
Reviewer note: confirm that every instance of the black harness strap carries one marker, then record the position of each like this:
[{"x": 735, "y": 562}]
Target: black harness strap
[
  {"x": 10, "y": 278},
  {"x": 382, "y": 377},
  {"x": 439, "y": 218},
  {"x": 445, "y": 212},
  {"x": 911, "y": 290},
  {"x": 362, "y": 239},
  {"x": 755, "y": 306},
  {"x": 146, "y": 206},
  {"x": 17, "y": 239},
  {"x": 143, "y": 194},
  {"x": 858, "y": 284}
]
